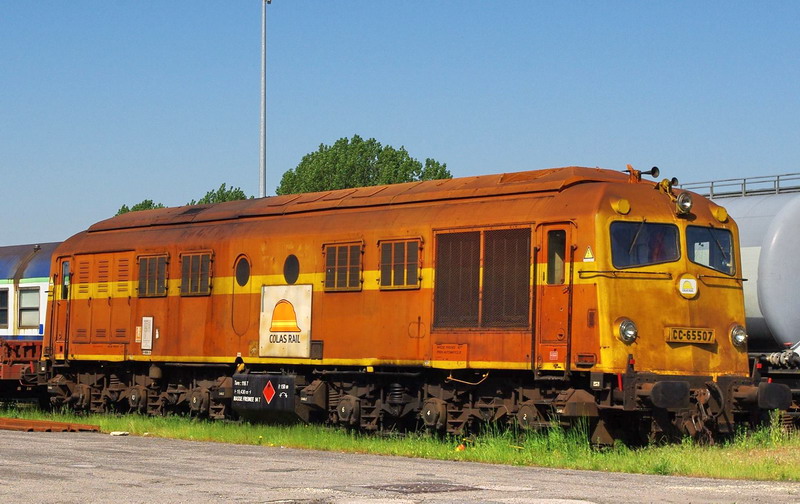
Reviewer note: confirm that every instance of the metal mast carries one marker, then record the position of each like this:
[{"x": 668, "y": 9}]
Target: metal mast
[{"x": 262, "y": 180}]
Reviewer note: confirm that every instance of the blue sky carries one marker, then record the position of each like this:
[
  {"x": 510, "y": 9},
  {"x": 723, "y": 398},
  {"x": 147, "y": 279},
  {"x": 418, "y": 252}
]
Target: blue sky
[{"x": 108, "y": 102}]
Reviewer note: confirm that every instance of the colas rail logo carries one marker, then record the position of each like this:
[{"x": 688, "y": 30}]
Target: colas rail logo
[
  {"x": 687, "y": 286},
  {"x": 284, "y": 328}
]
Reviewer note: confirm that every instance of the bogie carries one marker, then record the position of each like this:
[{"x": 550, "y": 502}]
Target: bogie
[{"x": 400, "y": 400}]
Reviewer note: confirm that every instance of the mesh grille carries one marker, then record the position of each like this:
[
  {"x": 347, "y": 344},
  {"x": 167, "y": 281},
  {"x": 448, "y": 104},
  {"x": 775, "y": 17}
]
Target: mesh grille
[
  {"x": 457, "y": 279},
  {"x": 506, "y": 291},
  {"x": 505, "y": 300}
]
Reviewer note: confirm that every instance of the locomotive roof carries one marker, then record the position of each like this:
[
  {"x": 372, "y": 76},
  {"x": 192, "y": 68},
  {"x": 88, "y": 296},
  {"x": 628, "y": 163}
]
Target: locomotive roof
[
  {"x": 15, "y": 256},
  {"x": 549, "y": 180}
]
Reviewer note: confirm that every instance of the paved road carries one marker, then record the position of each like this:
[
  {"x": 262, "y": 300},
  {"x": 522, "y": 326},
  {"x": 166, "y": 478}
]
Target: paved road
[{"x": 98, "y": 468}]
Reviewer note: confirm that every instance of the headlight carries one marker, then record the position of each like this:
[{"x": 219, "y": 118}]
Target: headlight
[
  {"x": 628, "y": 331},
  {"x": 738, "y": 335},
  {"x": 683, "y": 203}
]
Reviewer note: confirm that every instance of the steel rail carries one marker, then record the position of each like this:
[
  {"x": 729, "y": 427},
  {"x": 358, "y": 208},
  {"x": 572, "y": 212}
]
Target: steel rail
[{"x": 21, "y": 424}]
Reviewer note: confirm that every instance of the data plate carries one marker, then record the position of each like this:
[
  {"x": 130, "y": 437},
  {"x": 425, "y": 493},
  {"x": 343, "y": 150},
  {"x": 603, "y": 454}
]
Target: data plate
[{"x": 691, "y": 335}]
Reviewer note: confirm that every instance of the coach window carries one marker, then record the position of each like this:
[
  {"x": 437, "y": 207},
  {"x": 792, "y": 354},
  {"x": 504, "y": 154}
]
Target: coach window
[
  {"x": 153, "y": 276},
  {"x": 196, "y": 274},
  {"x": 29, "y": 308},
  {"x": 399, "y": 264},
  {"x": 4, "y": 308},
  {"x": 342, "y": 267}
]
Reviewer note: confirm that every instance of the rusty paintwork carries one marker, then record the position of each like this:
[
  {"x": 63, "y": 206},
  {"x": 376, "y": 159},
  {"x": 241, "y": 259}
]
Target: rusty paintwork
[{"x": 98, "y": 314}]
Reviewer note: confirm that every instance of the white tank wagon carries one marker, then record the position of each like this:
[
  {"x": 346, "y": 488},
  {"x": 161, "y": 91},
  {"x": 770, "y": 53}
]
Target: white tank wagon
[{"x": 767, "y": 210}]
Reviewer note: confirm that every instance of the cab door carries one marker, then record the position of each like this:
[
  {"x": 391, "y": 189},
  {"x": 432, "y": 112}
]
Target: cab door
[
  {"x": 59, "y": 331},
  {"x": 554, "y": 297}
]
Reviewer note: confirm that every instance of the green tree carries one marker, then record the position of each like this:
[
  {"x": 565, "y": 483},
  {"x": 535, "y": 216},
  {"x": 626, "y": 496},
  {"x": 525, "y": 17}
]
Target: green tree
[
  {"x": 221, "y": 195},
  {"x": 143, "y": 205},
  {"x": 224, "y": 193},
  {"x": 357, "y": 162}
]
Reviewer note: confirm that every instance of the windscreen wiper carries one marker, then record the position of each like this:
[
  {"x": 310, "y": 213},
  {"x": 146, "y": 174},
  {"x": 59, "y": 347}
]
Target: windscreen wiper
[
  {"x": 636, "y": 237},
  {"x": 719, "y": 245}
]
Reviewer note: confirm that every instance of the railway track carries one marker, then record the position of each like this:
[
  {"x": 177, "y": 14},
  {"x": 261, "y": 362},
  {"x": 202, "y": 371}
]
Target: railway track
[{"x": 19, "y": 424}]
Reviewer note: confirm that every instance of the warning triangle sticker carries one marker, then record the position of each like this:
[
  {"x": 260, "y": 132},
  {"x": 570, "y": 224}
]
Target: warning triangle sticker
[{"x": 588, "y": 256}]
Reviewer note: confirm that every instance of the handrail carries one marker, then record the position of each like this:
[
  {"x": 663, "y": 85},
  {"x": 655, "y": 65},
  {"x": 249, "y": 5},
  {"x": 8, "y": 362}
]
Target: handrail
[
  {"x": 750, "y": 186},
  {"x": 622, "y": 273},
  {"x": 722, "y": 277}
]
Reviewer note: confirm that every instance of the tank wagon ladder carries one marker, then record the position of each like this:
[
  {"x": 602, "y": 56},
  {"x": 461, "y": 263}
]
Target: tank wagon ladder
[{"x": 750, "y": 186}]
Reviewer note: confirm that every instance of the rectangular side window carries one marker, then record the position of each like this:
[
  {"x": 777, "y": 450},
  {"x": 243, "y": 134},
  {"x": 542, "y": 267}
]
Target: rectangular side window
[
  {"x": 29, "y": 308},
  {"x": 457, "y": 291},
  {"x": 4, "y": 308},
  {"x": 556, "y": 252},
  {"x": 399, "y": 264},
  {"x": 196, "y": 274},
  {"x": 343, "y": 267},
  {"x": 153, "y": 276},
  {"x": 506, "y": 278},
  {"x": 65, "y": 280}
]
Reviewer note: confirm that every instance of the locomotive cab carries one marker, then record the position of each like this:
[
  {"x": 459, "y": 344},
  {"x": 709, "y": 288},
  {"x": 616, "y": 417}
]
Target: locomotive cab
[{"x": 672, "y": 340}]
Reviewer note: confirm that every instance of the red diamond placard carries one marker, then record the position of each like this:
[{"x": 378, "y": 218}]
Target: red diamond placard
[{"x": 269, "y": 392}]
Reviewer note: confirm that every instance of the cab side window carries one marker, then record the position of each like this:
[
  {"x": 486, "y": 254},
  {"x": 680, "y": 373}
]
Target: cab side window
[{"x": 556, "y": 251}]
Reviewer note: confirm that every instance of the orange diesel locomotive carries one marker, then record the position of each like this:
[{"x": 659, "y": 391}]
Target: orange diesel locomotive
[{"x": 522, "y": 297}]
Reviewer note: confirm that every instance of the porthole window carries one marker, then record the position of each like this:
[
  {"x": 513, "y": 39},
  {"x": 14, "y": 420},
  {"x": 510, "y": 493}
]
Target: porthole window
[
  {"x": 291, "y": 269},
  {"x": 242, "y": 271}
]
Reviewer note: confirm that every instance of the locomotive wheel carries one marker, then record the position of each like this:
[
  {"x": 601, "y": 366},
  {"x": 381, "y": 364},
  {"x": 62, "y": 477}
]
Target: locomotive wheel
[
  {"x": 82, "y": 396},
  {"x": 529, "y": 417},
  {"x": 137, "y": 399},
  {"x": 348, "y": 410},
  {"x": 199, "y": 401},
  {"x": 434, "y": 414}
]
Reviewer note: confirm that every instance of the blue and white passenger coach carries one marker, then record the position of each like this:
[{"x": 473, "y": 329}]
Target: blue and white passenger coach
[{"x": 24, "y": 280}]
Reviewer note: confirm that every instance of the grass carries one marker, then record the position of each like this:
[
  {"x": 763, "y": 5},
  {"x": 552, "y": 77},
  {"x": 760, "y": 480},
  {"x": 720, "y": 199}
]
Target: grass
[{"x": 769, "y": 453}]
